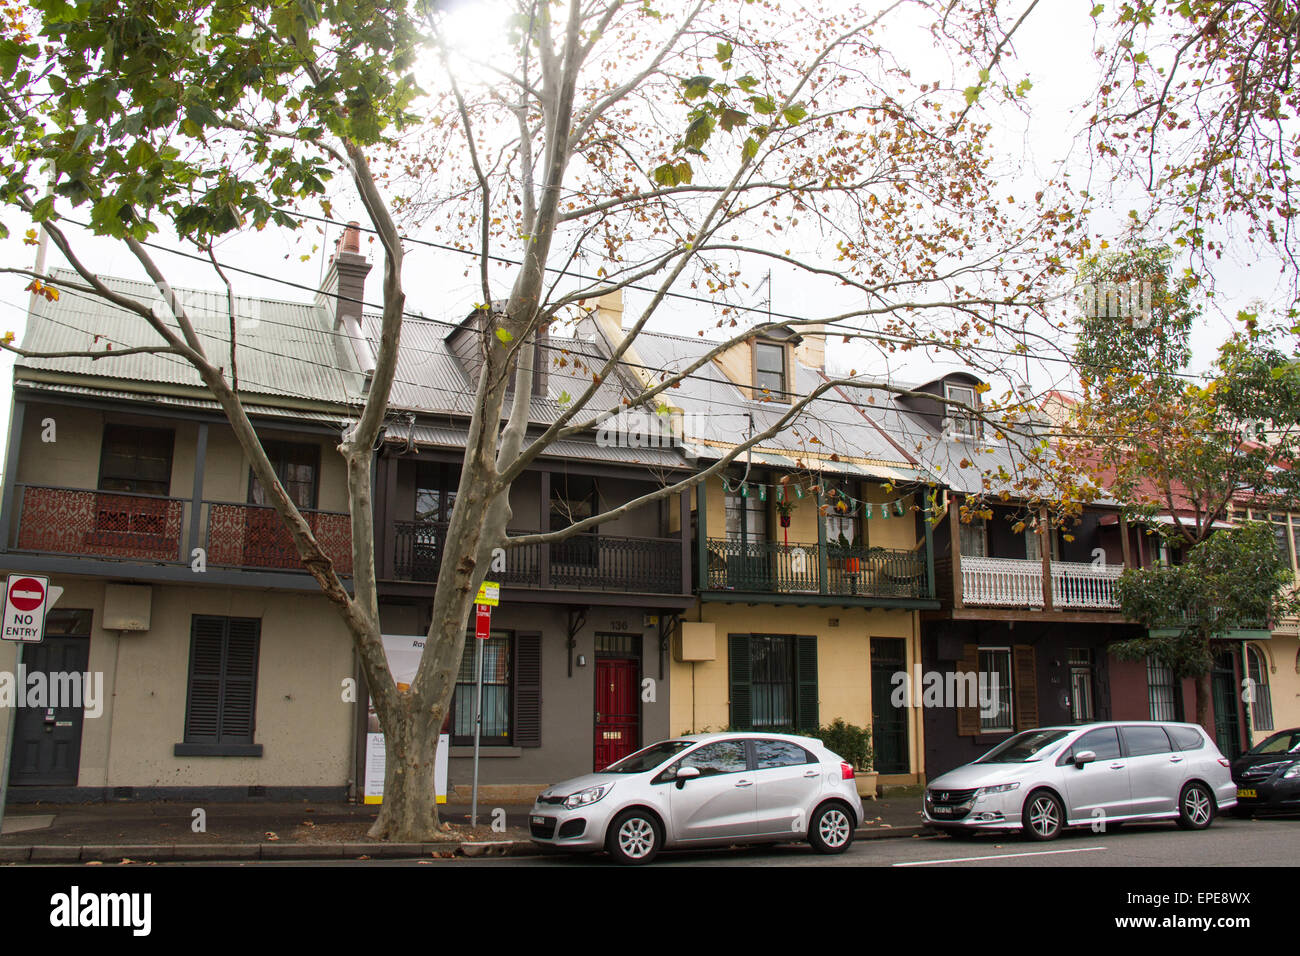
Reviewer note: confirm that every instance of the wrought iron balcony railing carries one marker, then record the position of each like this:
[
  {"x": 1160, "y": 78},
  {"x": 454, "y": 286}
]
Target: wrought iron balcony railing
[
  {"x": 766, "y": 567},
  {"x": 589, "y": 562}
]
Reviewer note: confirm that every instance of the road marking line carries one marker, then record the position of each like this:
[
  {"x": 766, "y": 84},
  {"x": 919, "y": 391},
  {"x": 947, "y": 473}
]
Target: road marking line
[{"x": 998, "y": 856}]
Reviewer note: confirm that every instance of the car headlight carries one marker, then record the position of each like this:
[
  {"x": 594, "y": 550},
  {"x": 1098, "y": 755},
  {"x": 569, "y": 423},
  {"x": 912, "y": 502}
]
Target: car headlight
[
  {"x": 999, "y": 788},
  {"x": 584, "y": 797},
  {"x": 1292, "y": 771}
]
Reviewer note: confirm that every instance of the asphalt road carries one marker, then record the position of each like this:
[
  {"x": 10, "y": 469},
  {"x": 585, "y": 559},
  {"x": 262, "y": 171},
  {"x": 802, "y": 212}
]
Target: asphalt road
[{"x": 1229, "y": 842}]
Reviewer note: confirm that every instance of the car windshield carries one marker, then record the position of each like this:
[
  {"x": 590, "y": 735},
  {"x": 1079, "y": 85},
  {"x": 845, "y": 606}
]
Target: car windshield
[
  {"x": 1286, "y": 742},
  {"x": 1031, "y": 745},
  {"x": 649, "y": 758}
]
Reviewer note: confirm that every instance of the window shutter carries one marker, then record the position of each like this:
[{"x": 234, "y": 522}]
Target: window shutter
[
  {"x": 528, "y": 690},
  {"x": 741, "y": 665},
  {"x": 806, "y": 691},
  {"x": 239, "y": 698},
  {"x": 1026, "y": 687},
  {"x": 203, "y": 700},
  {"x": 968, "y": 718}
]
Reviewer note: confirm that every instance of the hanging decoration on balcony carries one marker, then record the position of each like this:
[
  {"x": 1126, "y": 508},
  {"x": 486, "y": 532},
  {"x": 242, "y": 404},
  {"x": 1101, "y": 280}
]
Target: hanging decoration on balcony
[{"x": 837, "y": 502}]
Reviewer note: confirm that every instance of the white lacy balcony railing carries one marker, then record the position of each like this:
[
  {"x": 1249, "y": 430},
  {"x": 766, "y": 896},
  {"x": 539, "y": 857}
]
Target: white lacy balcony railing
[
  {"x": 1076, "y": 584},
  {"x": 1004, "y": 582},
  {"x": 1017, "y": 582}
]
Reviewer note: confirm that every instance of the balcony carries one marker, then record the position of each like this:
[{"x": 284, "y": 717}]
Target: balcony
[
  {"x": 150, "y": 529},
  {"x": 595, "y": 562},
  {"x": 253, "y": 536},
  {"x": 769, "y": 567},
  {"x": 116, "y": 524},
  {"x": 1018, "y": 583}
]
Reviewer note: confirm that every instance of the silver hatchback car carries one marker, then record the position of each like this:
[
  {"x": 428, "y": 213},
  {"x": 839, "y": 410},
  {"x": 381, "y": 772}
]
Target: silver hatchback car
[
  {"x": 704, "y": 790},
  {"x": 1041, "y": 781}
]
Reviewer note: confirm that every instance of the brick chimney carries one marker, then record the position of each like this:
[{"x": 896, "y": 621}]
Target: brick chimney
[
  {"x": 343, "y": 289},
  {"x": 342, "y": 293}
]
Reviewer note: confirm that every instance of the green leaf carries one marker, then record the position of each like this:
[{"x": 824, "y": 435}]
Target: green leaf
[
  {"x": 973, "y": 93},
  {"x": 1096, "y": 11},
  {"x": 696, "y": 87},
  {"x": 794, "y": 114},
  {"x": 666, "y": 175},
  {"x": 750, "y": 149},
  {"x": 505, "y": 337},
  {"x": 730, "y": 119},
  {"x": 698, "y": 133},
  {"x": 723, "y": 55},
  {"x": 747, "y": 83},
  {"x": 764, "y": 105}
]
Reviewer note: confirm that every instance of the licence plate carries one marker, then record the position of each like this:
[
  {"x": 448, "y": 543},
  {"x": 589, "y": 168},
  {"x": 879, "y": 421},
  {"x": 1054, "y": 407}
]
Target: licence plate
[
  {"x": 1243, "y": 794},
  {"x": 540, "y": 821},
  {"x": 940, "y": 811}
]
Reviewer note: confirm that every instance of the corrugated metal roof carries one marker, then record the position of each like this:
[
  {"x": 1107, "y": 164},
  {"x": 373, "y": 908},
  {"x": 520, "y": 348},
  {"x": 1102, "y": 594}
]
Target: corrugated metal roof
[
  {"x": 718, "y": 414},
  {"x": 337, "y": 419},
  {"x": 268, "y": 332},
  {"x": 452, "y": 437},
  {"x": 430, "y": 378}
]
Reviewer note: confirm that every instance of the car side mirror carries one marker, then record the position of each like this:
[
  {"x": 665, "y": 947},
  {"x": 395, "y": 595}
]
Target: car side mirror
[
  {"x": 1084, "y": 757},
  {"x": 686, "y": 773}
]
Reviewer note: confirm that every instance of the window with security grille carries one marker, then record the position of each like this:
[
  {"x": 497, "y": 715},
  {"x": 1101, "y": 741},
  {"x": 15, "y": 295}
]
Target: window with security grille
[
  {"x": 995, "y": 682},
  {"x": 1261, "y": 704},
  {"x": 221, "y": 699},
  {"x": 497, "y": 692},
  {"x": 773, "y": 680},
  {"x": 1161, "y": 696},
  {"x": 1081, "y": 702}
]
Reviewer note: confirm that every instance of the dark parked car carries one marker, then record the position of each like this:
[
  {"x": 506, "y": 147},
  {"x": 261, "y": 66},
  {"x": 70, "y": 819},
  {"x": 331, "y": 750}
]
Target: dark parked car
[{"x": 1268, "y": 775}]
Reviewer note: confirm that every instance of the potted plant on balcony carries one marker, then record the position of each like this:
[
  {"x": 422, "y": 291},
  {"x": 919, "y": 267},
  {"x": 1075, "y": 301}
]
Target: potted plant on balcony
[
  {"x": 784, "y": 508},
  {"x": 853, "y": 743}
]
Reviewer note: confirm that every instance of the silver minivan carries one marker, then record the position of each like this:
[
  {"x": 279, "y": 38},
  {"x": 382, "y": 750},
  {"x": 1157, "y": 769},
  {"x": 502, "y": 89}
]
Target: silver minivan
[
  {"x": 704, "y": 790},
  {"x": 1041, "y": 781}
]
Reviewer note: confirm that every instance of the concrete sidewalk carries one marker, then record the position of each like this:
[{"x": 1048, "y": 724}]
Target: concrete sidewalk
[{"x": 260, "y": 830}]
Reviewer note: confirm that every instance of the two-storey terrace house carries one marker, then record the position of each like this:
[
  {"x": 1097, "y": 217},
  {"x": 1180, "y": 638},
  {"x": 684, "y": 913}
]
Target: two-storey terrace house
[
  {"x": 1028, "y": 608},
  {"x": 810, "y": 556},
  {"x": 223, "y": 669},
  {"x": 576, "y": 671}
]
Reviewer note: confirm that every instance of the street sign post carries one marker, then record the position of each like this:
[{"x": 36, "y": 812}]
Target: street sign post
[
  {"x": 489, "y": 594},
  {"x": 26, "y": 598}
]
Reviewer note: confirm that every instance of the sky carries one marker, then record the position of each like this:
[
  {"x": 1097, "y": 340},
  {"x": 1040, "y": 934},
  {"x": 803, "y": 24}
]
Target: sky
[{"x": 1053, "y": 50}]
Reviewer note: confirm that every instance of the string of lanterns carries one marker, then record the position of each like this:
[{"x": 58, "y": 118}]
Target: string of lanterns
[{"x": 838, "y": 502}]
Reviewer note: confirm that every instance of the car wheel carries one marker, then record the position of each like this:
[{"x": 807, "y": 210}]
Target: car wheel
[
  {"x": 1195, "y": 807},
  {"x": 832, "y": 829},
  {"x": 1044, "y": 816},
  {"x": 634, "y": 838}
]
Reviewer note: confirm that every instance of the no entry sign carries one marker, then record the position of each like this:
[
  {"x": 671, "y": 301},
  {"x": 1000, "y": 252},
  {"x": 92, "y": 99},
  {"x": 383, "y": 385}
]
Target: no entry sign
[{"x": 26, "y": 599}]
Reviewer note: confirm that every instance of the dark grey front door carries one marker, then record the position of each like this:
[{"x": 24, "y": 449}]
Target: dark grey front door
[
  {"x": 888, "y": 723},
  {"x": 47, "y": 740}
]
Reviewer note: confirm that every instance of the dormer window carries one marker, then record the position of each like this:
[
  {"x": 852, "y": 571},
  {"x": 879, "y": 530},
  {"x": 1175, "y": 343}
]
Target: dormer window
[
  {"x": 961, "y": 422},
  {"x": 769, "y": 371}
]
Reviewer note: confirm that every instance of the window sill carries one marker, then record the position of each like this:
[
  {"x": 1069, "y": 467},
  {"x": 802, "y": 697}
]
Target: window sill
[
  {"x": 217, "y": 750},
  {"x": 467, "y": 750}
]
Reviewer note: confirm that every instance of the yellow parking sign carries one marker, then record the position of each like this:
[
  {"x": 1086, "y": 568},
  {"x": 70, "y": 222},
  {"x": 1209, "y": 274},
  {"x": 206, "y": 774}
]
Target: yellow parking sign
[{"x": 489, "y": 593}]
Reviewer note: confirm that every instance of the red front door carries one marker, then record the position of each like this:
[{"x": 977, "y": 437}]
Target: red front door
[{"x": 618, "y": 721}]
